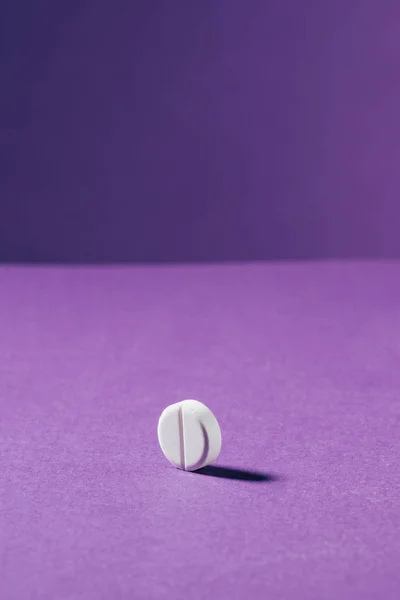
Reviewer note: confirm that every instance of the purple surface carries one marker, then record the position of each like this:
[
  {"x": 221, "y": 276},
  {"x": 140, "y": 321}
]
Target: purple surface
[
  {"x": 199, "y": 130},
  {"x": 300, "y": 363}
]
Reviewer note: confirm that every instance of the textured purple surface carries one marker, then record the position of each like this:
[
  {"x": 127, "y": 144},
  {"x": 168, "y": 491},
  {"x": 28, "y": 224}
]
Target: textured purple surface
[
  {"x": 264, "y": 128},
  {"x": 301, "y": 365}
]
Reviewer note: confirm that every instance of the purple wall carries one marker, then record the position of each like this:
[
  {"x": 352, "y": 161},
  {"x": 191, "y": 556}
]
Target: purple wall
[{"x": 199, "y": 130}]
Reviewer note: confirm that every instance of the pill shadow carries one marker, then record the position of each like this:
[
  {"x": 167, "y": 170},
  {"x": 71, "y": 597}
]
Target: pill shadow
[{"x": 238, "y": 474}]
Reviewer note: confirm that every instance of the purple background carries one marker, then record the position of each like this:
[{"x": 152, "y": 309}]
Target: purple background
[
  {"x": 199, "y": 130},
  {"x": 300, "y": 364}
]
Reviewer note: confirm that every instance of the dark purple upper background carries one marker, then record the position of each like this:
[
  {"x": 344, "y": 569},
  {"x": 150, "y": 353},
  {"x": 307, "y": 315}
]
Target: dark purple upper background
[{"x": 199, "y": 130}]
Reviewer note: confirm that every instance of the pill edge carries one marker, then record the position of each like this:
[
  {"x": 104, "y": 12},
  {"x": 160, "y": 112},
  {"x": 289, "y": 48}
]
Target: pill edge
[{"x": 181, "y": 427}]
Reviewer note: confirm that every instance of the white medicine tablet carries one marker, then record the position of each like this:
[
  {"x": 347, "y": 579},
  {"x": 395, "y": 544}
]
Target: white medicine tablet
[{"x": 189, "y": 435}]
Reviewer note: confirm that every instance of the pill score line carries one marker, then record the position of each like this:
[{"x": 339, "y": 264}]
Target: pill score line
[{"x": 182, "y": 437}]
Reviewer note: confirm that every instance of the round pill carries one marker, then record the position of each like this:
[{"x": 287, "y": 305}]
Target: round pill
[{"x": 189, "y": 435}]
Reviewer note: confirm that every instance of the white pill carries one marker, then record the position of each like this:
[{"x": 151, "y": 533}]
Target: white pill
[{"x": 189, "y": 435}]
